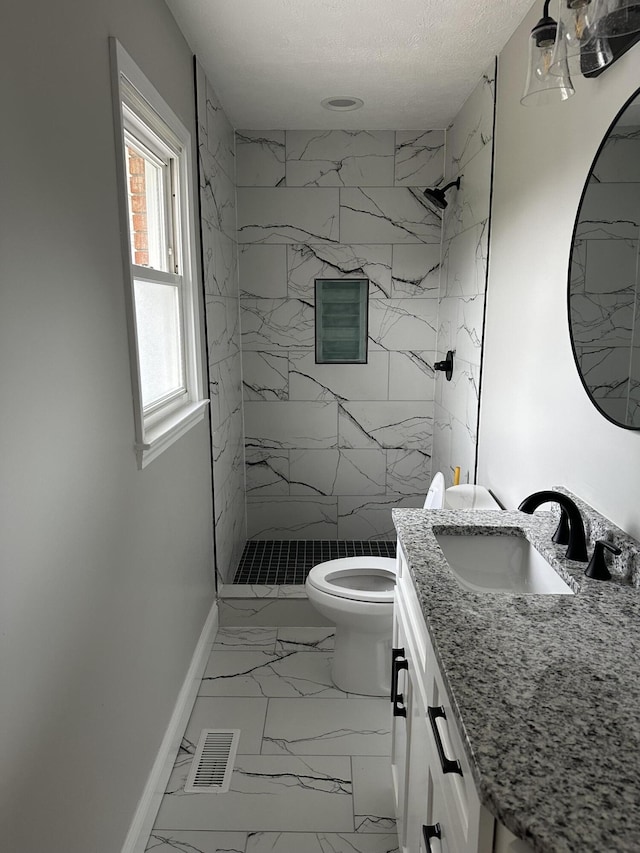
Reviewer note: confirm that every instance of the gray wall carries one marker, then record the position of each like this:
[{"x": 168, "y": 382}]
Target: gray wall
[
  {"x": 331, "y": 448},
  {"x": 216, "y": 152},
  {"x": 463, "y": 279},
  {"x": 106, "y": 571},
  {"x": 538, "y": 427}
]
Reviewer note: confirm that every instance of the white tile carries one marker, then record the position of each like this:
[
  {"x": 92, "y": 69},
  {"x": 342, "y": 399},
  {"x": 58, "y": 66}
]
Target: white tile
[
  {"x": 305, "y": 639},
  {"x": 220, "y": 260},
  {"x": 247, "y": 590},
  {"x": 265, "y": 375},
  {"x": 308, "y": 262},
  {"x": 331, "y": 727},
  {"x": 223, "y": 328},
  {"x": 260, "y": 158},
  {"x": 408, "y": 472},
  {"x": 411, "y": 375},
  {"x": 618, "y": 160},
  {"x": 367, "y": 824},
  {"x": 269, "y": 792},
  {"x": 372, "y": 786},
  {"x": 245, "y": 639},
  {"x": 217, "y": 195},
  {"x": 387, "y": 215},
  {"x": 279, "y": 611},
  {"x": 469, "y": 204},
  {"x": 419, "y": 158},
  {"x": 201, "y": 103},
  {"x": 288, "y": 215},
  {"x": 220, "y": 141},
  {"x": 340, "y": 158},
  {"x": 290, "y": 424},
  {"x": 389, "y": 425},
  {"x": 337, "y": 472},
  {"x": 416, "y": 270},
  {"x": 321, "y": 842},
  {"x": 289, "y": 674},
  {"x": 224, "y": 712},
  {"x": 370, "y": 518},
  {"x": 465, "y": 262},
  {"x": 276, "y": 324},
  {"x": 609, "y": 211},
  {"x": 299, "y": 517},
  {"x": 185, "y": 841},
  {"x": 472, "y": 128},
  {"x": 403, "y": 324},
  {"x": 311, "y": 381},
  {"x": 263, "y": 271},
  {"x": 610, "y": 265},
  {"x": 267, "y": 471}
]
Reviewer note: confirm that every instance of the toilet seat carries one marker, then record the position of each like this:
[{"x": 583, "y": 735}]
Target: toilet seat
[{"x": 370, "y": 579}]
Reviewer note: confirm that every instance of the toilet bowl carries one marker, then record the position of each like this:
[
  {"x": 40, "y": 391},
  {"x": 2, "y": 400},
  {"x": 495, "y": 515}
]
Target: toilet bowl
[{"x": 356, "y": 595}]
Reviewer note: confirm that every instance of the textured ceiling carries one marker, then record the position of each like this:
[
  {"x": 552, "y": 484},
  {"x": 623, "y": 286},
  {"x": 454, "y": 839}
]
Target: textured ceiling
[{"x": 413, "y": 62}]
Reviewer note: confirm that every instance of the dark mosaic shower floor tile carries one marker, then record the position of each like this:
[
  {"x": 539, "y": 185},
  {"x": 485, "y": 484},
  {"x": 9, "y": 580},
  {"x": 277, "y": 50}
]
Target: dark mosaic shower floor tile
[{"x": 289, "y": 562}]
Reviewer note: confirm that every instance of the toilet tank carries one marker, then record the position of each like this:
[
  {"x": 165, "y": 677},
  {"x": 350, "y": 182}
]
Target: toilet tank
[{"x": 469, "y": 497}]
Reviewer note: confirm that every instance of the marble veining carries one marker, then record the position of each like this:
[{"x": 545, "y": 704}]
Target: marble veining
[
  {"x": 312, "y": 773},
  {"x": 336, "y": 204},
  {"x": 217, "y": 175},
  {"x": 545, "y": 688},
  {"x": 463, "y": 279}
]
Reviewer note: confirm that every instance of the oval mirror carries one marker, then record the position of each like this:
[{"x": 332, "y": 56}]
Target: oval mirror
[{"x": 604, "y": 274}]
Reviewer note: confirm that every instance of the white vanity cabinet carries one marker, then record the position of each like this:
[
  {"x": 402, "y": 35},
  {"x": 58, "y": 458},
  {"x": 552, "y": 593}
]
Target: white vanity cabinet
[{"x": 437, "y": 807}]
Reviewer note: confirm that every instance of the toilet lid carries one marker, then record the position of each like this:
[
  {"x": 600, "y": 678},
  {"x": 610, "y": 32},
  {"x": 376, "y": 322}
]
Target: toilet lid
[
  {"x": 358, "y": 578},
  {"x": 435, "y": 495}
]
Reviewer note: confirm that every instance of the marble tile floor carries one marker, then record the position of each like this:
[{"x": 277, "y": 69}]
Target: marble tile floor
[{"x": 312, "y": 773}]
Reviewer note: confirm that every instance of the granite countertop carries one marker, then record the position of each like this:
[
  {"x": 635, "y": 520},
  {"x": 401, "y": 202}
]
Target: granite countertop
[{"x": 546, "y": 688}]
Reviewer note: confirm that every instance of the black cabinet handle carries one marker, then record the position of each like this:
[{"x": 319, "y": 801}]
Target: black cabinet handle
[
  {"x": 395, "y": 654},
  {"x": 449, "y": 765},
  {"x": 397, "y": 699},
  {"x": 429, "y": 832}
]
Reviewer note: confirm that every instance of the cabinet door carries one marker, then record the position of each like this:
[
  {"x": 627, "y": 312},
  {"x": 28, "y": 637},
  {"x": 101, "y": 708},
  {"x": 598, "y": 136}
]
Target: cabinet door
[
  {"x": 420, "y": 778},
  {"x": 400, "y": 703}
]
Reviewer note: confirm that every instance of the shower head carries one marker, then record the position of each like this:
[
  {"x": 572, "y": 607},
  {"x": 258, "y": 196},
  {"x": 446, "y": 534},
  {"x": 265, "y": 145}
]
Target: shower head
[{"x": 436, "y": 195}]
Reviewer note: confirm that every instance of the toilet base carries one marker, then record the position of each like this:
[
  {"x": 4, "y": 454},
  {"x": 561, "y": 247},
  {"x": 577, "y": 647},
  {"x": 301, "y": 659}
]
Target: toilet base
[{"x": 362, "y": 662}]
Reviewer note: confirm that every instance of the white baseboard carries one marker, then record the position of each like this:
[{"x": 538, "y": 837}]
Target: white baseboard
[{"x": 149, "y": 804}]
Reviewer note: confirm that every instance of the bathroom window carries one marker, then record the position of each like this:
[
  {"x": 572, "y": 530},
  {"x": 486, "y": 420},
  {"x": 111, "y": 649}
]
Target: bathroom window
[
  {"x": 341, "y": 320},
  {"x": 156, "y": 202}
]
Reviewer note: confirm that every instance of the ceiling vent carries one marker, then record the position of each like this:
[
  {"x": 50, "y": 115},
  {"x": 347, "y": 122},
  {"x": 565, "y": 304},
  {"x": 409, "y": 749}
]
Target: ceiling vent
[
  {"x": 212, "y": 764},
  {"x": 342, "y": 103}
]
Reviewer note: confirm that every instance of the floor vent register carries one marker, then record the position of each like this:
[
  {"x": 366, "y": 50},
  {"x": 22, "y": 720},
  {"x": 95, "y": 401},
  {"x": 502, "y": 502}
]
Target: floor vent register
[{"x": 213, "y": 762}]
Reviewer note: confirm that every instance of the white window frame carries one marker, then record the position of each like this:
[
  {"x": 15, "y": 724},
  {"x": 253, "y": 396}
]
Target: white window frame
[{"x": 135, "y": 100}]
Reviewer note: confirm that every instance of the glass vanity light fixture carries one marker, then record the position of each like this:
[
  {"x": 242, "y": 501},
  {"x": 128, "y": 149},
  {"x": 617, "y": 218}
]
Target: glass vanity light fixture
[
  {"x": 577, "y": 40},
  {"x": 544, "y": 86},
  {"x": 612, "y": 18}
]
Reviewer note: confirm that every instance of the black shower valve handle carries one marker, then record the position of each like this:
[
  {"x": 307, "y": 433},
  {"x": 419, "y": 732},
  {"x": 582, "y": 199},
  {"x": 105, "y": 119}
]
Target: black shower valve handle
[
  {"x": 597, "y": 568},
  {"x": 446, "y": 365}
]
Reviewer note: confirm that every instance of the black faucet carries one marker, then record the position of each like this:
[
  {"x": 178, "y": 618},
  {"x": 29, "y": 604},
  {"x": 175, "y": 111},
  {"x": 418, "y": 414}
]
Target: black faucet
[{"x": 577, "y": 548}]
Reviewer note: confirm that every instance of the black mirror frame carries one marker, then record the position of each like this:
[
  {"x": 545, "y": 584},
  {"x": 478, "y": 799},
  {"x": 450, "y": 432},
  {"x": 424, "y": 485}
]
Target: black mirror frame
[{"x": 622, "y": 109}]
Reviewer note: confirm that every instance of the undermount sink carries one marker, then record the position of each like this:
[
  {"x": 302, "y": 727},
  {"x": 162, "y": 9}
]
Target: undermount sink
[{"x": 496, "y": 563}]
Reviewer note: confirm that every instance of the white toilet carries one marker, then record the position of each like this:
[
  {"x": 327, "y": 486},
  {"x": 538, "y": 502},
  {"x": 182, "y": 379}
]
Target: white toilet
[{"x": 356, "y": 594}]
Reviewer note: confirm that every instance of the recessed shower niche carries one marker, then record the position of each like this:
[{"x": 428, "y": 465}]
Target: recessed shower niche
[{"x": 341, "y": 321}]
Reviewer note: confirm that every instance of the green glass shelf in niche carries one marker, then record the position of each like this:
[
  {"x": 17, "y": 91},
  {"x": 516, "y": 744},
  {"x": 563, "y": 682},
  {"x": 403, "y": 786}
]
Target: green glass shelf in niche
[{"x": 341, "y": 320}]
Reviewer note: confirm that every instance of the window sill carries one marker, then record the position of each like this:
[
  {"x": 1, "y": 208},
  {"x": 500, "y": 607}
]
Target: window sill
[{"x": 164, "y": 433}]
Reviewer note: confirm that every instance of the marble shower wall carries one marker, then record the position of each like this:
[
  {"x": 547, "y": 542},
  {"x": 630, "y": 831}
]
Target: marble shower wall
[
  {"x": 216, "y": 151},
  {"x": 605, "y": 279},
  {"x": 463, "y": 280},
  {"x": 330, "y": 449}
]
